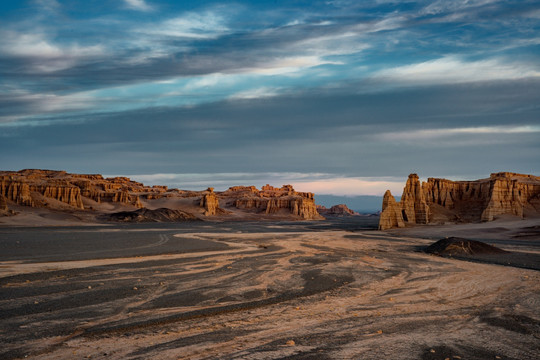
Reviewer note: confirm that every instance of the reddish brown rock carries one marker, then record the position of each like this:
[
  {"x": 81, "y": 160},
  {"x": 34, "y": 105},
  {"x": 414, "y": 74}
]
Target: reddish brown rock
[
  {"x": 336, "y": 210},
  {"x": 272, "y": 200},
  {"x": 210, "y": 203},
  {"x": 391, "y": 215},
  {"x": 413, "y": 203},
  {"x": 3, "y": 204},
  {"x": 442, "y": 200},
  {"x": 16, "y": 190}
]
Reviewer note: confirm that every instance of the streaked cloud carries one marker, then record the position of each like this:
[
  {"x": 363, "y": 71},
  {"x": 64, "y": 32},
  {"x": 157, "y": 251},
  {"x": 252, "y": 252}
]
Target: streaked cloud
[
  {"x": 258, "y": 93},
  {"x": 437, "y": 134},
  {"x": 453, "y": 69},
  {"x": 140, "y": 5},
  {"x": 206, "y": 25}
]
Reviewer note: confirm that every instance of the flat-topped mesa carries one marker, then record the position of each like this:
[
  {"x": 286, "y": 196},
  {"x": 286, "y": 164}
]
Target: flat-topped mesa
[
  {"x": 272, "y": 200},
  {"x": 442, "y": 200}
]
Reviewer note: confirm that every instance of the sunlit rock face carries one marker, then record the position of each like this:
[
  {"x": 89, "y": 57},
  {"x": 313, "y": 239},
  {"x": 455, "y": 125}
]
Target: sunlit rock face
[
  {"x": 442, "y": 200},
  {"x": 391, "y": 216},
  {"x": 271, "y": 200},
  {"x": 210, "y": 203},
  {"x": 62, "y": 191},
  {"x": 36, "y": 188}
]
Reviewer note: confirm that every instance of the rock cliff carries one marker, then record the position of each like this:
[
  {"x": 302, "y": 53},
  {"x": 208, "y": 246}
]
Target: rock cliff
[
  {"x": 442, "y": 200},
  {"x": 3, "y": 205},
  {"x": 35, "y": 188},
  {"x": 98, "y": 197},
  {"x": 271, "y": 200}
]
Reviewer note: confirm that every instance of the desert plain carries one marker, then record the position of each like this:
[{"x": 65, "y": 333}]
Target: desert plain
[{"x": 335, "y": 289}]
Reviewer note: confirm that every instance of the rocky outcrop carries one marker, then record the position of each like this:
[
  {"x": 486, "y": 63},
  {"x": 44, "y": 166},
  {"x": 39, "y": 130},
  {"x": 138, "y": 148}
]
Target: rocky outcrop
[
  {"x": 62, "y": 191},
  {"x": 210, "y": 203},
  {"x": 35, "y": 188},
  {"x": 147, "y": 215},
  {"x": 442, "y": 200},
  {"x": 336, "y": 210},
  {"x": 3, "y": 205},
  {"x": 272, "y": 200},
  {"x": 15, "y": 190},
  {"x": 455, "y": 246},
  {"x": 391, "y": 215},
  {"x": 413, "y": 202}
]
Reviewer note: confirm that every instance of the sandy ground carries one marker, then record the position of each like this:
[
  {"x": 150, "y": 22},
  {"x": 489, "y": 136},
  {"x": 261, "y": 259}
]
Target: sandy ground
[{"x": 283, "y": 291}]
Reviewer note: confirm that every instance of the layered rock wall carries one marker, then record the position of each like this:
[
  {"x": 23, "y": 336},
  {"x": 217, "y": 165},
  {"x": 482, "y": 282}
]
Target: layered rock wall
[
  {"x": 25, "y": 186},
  {"x": 272, "y": 200},
  {"x": 440, "y": 200},
  {"x": 3, "y": 204}
]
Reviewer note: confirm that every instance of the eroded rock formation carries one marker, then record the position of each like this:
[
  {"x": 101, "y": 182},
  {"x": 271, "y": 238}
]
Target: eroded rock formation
[
  {"x": 36, "y": 188},
  {"x": 62, "y": 191},
  {"x": 210, "y": 203},
  {"x": 147, "y": 215},
  {"x": 336, "y": 210},
  {"x": 3, "y": 205},
  {"x": 442, "y": 200},
  {"x": 391, "y": 216},
  {"x": 271, "y": 200}
]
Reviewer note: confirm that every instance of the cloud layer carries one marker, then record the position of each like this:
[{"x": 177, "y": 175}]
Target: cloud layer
[{"x": 350, "y": 89}]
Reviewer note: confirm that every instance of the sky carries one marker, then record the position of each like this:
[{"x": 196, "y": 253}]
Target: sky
[{"x": 341, "y": 97}]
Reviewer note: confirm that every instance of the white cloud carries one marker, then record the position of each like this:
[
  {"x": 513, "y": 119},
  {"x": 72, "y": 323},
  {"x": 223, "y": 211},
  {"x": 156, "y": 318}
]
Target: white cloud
[
  {"x": 54, "y": 57},
  {"x": 436, "y": 135},
  {"x": 287, "y": 65},
  {"x": 452, "y": 69},
  {"x": 262, "y": 92},
  {"x": 431, "y": 133},
  {"x": 441, "y": 6},
  {"x": 204, "y": 25},
  {"x": 138, "y": 5}
]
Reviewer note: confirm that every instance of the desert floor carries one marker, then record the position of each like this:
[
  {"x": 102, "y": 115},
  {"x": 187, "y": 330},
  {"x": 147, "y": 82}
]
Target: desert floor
[{"x": 306, "y": 290}]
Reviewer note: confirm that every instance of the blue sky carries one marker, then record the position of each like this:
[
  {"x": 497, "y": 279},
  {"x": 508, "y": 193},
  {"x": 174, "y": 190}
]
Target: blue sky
[{"x": 337, "y": 97}]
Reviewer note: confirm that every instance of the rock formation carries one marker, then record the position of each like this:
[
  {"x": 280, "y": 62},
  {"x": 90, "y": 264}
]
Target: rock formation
[
  {"x": 35, "y": 188},
  {"x": 336, "y": 210},
  {"x": 210, "y": 203},
  {"x": 455, "y": 246},
  {"x": 147, "y": 215},
  {"x": 391, "y": 215},
  {"x": 271, "y": 200},
  {"x": 413, "y": 202},
  {"x": 62, "y": 191},
  {"x": 3, "y": 205},
  {"x": 441, "y": 200}
]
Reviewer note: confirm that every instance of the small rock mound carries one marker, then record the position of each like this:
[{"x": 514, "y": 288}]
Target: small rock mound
[
  {"x": 147, "y": 215},
  {"x": 458, "y": 246}
]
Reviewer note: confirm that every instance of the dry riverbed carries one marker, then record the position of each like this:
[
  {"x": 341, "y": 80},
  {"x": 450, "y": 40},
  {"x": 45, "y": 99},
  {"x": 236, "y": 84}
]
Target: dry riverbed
[{"x": 295, "y": 294}]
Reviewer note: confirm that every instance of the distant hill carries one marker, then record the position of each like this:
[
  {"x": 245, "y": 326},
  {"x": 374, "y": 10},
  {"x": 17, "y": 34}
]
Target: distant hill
[{"x": 364, "y": 204}]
